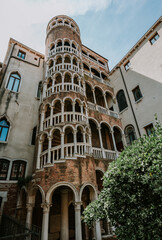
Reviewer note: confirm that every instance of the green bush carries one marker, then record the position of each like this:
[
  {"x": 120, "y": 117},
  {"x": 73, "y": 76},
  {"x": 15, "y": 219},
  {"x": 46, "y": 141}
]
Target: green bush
[{"x": 132, "y": 192}]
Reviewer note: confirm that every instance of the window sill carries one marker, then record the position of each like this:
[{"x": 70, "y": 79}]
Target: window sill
[
  {"x": 123, "y": 110},
  {"x": 8, "y": 181},
  {"x": 139, "y": 100},
  {"x": 11, "y": 91},
  {"x": 5, "y": 142}
]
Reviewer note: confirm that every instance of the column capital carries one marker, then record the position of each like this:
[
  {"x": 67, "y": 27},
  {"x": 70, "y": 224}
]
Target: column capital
[
  {"x": 46, "y": 207},
  {"x": 49, "y": 138},
  {"x": 30, "y": 206}
]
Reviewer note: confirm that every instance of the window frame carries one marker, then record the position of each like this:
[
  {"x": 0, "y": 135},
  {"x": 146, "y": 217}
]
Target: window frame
[
  {"x": 127, "y": 65},
  {"x": 21, "y": 54},
  {"x": 146, "y": 126},
  {"x": 13, "y": 84},
  {"x": 133, "y": 91},
  {"x": 153, "y": 38},
  {"x": 3, "y": 160},
  {"x": 119, "y": 105},
  {"x": 2, "y": 127},
  {"x": 18, "y": 170}
]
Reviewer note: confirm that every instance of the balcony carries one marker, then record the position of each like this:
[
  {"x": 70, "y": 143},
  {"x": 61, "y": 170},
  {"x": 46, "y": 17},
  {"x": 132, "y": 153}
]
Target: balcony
[
  {"x": 102, "y": 110},
  {"x": 63, "y": 49},
  {"x": 64, "y": 87},
  {"x": 98, "y": 153}
]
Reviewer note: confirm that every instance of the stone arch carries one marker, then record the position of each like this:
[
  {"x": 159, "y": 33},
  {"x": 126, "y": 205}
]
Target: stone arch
[
  {"x": 87, "y": 184},
  {"x": 32, "y": 192}
]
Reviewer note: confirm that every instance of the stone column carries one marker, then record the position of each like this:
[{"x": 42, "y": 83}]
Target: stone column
[
  {"x": 72, "y": 82},
  {"x": 101, "y": 144},
  {"x": 62, "y": 111},
  {"x": 75, "y": 142},
  {"x": 51, "y": 116},
  {"x": 98, "y": 230},
  {"x": 90, "y": 142},
  {"x": 62, "y": 145},
  {"x": 105, "y": 101},
  {"x": 124, "y": 140},
  {"x": 62, "y": 82},
  {"x": 29, "y": 207},
  {"x": 114, "y": 143},
  {"x": 64, "y": 215},
  {"x": 38, "y": 154},
  {"x": 41, "y": 121},
  {"x": 94, "y": 97},
  {"x": 81, "y": 108},
  {"x": 84, "y": 140},
  {"x": 44, "y": 89},
  {"x": 45, "y": 220},
  {"x": 73, "y": 111},
  {"x": 78, "y": 228},
  {"x": 49, "y": 149}
]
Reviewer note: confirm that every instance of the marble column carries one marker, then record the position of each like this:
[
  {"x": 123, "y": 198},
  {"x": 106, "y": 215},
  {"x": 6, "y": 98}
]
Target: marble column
[
  {"x": 62, "y": 145},
  {"x": 49, "y": 149},
  {"x": 98, "y": 230},
  {"x": 101, "y": 144},
  {"x": 78, "y": 230},
  {"x": 64, "y": 215},
  {"x": 45, "y": 220},
  {"x": 29, "y": 207},
  {"x": 38, "y": 154}
]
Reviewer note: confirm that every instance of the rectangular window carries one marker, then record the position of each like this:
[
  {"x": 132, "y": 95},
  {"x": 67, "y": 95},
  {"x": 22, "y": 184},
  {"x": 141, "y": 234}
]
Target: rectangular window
[
  {"x": 137, "y": 93},
  {"x": 18, "y": 170},
  {"x": 149, "y": 129},
  {"x": 4, "y": 164},
  {"x": 127, "y": 66},
  {"x": 21, "y": 54},
  {"x": 154, "y": 38}
]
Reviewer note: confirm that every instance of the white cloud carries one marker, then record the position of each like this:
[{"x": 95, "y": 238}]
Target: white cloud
[{"x": 18, "y": 16}]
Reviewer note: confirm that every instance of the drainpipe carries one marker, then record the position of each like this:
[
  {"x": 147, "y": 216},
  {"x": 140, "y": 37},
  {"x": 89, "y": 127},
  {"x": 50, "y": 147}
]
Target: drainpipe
[{"x": 130, "y": 102}]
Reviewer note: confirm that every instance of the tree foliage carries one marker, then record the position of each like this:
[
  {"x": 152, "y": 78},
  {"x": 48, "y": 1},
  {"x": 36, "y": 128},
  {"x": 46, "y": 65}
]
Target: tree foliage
[{"x": 132, "y": 191}]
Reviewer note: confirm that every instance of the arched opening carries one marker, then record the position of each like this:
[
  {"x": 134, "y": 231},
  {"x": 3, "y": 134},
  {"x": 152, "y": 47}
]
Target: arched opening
[
  {"x": 52, "y": 46},
  {"x": 79, "y": 134},
  {"x": 56, "y": 138},
  {"x": 47, "y": 111},
  {"x": 99, "y": 97},
  {"x": 59, "y": 44},
  {"x": 77, "y": 107},
  {"x": 106, "y": 137},
  {"x": 66, "y": 22},
  {"x": 59, "y": 60},
  {"x": 49, "y": 83},
  {"x": 76, "y": 80},
  {"x": 67, "y": 59},
  {"x": 60, "y": 21},
  {"x": 85, "y": 67},
  {"x": 66, "y": 43},
  {"x": 68, "y": 106},
  {"x": 109, "y": 100},
  {"x": 93, "y": 58},
  {"x": 37, "y": 210},
  {"x": 95, "y": 72},
  {"x": 104, "y": 77},
  {"x": 73, "y": 45},
  {"x": 75, "y": 61},
  {"x": 101, "y": 62},
  {"x": 50, "y": 65},
  {"x": 118, "y": 139},
  {"x": 67, "y": 78},
  {"x": 62, "y": 214},
  {"x": 122, "y": 102},
  {"x": 130, "y": 134},
  {"x": 69, "y": 138},
  {"x": 89, "y": 93},
  {"x": 58, "y": 78},
  {"x": 44, "y": 143},
  {"x": 88, "y": 196},
  {"x": 95, "y": 134},
  {"x": 57, "y": 107}
]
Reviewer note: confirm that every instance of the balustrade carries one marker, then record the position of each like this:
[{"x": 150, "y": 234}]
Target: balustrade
[
  {"x": 109, "y": 154},
  {"x": 63, "y": 49},
  {"x": 65, "y": 87}
]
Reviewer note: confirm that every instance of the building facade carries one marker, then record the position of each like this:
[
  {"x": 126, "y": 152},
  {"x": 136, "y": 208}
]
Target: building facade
[{"x": 63, "y": 118}]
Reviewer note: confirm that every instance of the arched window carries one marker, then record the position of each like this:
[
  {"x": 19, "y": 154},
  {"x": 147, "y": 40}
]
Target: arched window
[
  {"x": 4, "y": 165},
  {"x": 122, "y": 102},
  {"x": 14, "y": 82},
  {"x": 18, "y": 170},
  {"x": 130, "y": 134},
  {"x": 4, "y": 127}
]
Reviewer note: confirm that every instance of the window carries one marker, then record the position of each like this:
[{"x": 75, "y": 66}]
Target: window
[
  {"x": 34, "y": 136},
  {"x": 149, "y": 129},
  {"x": 18, "y": 170},
  {"x": 4, "y": 165},
  {"x": 122, "y": 102},
  {"x": 130, "y": 134},
  {"x": 4, "y": 127},
  {"x": 137, "y": 93},
  {"x": 14, "y": 82},
  {"x": 21, "y": 54},
  {"x": 154, "y": 38},
  {"x": 127, "y": 66},
  {"x": 39, "y": 90}
]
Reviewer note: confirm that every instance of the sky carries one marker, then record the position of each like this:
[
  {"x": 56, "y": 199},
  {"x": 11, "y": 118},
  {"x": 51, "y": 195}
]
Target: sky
[{"x": 109, "y": 27}]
